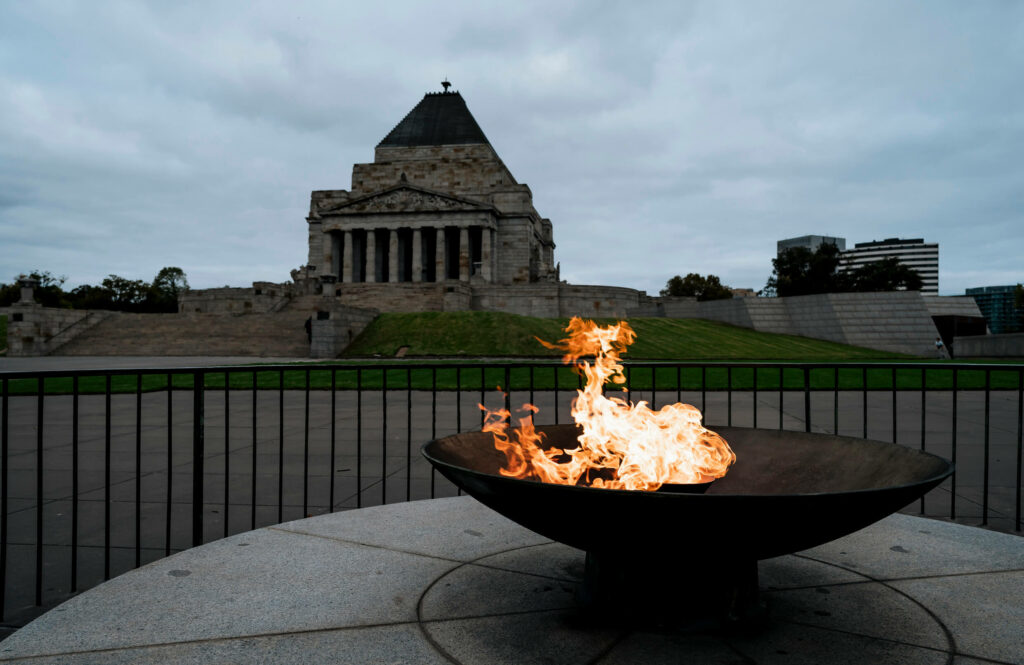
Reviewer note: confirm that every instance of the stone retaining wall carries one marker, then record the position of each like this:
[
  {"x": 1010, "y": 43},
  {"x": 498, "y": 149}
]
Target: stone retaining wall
[
  {"x": 1010, "y": 345},
  {"x": 262, "y": 297},
  {"x": 897, "y": 321},
  {"x": 330, "y": 336},
  {"x": 34, "y": 330},
  {"x": 952, "y": 306}
]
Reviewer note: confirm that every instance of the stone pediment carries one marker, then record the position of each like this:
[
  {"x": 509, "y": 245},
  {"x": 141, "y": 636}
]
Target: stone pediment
[{"x": 404, "y": 198}]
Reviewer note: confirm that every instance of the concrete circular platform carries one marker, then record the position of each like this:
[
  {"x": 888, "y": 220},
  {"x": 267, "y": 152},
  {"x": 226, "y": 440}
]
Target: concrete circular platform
[{"x": 449, "y": 580}]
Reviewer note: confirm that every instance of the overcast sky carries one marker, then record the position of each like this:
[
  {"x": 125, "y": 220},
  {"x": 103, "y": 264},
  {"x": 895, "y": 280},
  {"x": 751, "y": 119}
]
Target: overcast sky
[{"x": 660, "y": 138}]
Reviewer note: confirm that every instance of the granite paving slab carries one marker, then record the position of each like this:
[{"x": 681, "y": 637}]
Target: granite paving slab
[
  {"x": 450, "y": 528},
  {"x": 450, "y": 581},
  {"x": 994, "y": 600},
  {"x": 907, "y": 546}
]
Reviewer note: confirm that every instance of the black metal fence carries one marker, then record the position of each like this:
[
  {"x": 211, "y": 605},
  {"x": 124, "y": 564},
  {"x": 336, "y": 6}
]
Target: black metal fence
[{"x": 104, "y": 471}]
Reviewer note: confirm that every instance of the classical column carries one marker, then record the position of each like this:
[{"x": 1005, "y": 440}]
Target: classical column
[
  {"x": 393, "y": 255},
  {"x": 464, "y": 254},
  {"x": 485, "y": 253},
  {"x": 328, "y": 254},
  {"x": 417, "y": 256},
  {"x": 371, "y": 255},
  {"x": 346, "y": 258},
  {"x": 439, "y": 273}
]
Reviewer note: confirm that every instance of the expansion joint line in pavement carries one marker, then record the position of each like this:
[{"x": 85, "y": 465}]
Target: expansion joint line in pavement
[
  {"x": 475, "y": 562},
  {"x": 951, "y": 648}
]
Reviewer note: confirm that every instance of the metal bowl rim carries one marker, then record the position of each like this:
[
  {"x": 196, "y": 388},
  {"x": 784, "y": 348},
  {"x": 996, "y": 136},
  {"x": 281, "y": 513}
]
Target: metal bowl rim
[{"x": 937, "y": 478}]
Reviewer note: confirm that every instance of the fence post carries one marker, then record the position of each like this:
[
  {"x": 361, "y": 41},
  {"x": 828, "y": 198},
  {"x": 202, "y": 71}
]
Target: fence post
[
  {"x": 198, "y": 454},
  {"x": 807, "y": 399}
]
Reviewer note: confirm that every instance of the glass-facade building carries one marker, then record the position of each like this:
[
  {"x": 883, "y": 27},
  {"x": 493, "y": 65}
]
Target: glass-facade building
[
  {"x": 997, "y": 305},
  {"x": 810, "y": 242}
]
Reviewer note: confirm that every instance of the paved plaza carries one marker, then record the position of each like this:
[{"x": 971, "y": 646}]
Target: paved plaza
[{"x": 450, "y": 581}]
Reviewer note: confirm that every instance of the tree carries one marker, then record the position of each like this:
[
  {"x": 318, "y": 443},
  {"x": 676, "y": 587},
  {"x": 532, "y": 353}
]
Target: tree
[
  {"x": 126, "y": 294},
  {"x": 697, "y": 286},
  {"x": 163, "y": 294},
  {"x": 885, "y": 275},
  {"x": 798, "y": 271},
  {"x": 48, "y": 293},
  {"x": 88, "y": 296}
]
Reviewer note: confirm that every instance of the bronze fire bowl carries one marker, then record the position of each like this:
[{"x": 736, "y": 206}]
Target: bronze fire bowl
[{"x": 787, "y": 491}]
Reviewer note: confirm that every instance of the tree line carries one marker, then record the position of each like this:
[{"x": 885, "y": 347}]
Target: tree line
[
  {"x": 798, "y": 271},
  {"x": 113, "y": 293}
]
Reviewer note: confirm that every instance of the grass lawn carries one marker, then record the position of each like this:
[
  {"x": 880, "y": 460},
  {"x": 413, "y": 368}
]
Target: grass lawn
[
  {"x": 452, "y": 340},
  {"x": 459, "y": 337},
  {"x": 494, "y": 334}
]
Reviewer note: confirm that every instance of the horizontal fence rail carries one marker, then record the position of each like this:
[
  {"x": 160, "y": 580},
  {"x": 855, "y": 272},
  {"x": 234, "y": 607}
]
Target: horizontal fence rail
[{"x": 103, "y": 471}]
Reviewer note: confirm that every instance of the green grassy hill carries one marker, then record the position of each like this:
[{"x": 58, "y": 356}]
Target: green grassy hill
[{"x": 509, "y": 335}]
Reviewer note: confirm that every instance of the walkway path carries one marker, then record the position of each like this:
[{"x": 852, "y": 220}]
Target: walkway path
[{"x": 450, "y": 581}]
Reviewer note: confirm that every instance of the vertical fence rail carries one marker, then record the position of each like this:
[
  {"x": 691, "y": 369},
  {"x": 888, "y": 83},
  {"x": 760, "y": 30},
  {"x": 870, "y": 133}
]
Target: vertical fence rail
[
  {"x": 334, "y": 427},
  {"x": 138, "y": 470},
  {"x": 170, "y": 466},
  {"x": 4, "y": 446},
  {"x": 952, "y": 478},
  {"x": 305, "y": 450},
  {"x": 984, "y": 493},
  {"x": 106, "y": 478},
  {"x": 433, "y": 426},
  {"x": 728, "y": 395},
  {"x": 458, "y": 407},
  {"x": 864, "y": 399},
  {"x": 408, "y": 434},
  {"x": 924, "y": 417},
  {"x": 280, "y": 445},
  {"x": 255, "y": 410},
  {"x": 227, "y": 453},
  {"x": 892, "y": 381},
  {"x": 807, "y": 399},
  {"x": 384, "y": 436},
  {"x": 74, "y": 487},
  {"x": 198, "y": 455},
  {"x": 39, "y": 485},
  {"x": 782, "y": 399},
  {"x": 1020, "y": 444},
  {"x": 359, "y": 438},
  {"x": 835, "y": 401}
]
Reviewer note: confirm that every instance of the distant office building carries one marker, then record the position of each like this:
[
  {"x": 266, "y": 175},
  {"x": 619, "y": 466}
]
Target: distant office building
[
  {"x": 911, "y": 252},
  {"x": 997, "y": 305},
  {"x": 810, "y": 242}
]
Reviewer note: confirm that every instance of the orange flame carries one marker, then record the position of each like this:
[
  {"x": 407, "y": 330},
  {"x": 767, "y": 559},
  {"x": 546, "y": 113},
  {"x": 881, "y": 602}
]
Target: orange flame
[{"x": 642, "y": 448}]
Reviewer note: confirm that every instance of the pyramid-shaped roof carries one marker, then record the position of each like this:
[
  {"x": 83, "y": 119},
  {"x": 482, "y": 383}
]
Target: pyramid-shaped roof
[{"x": 441, "y": 118}]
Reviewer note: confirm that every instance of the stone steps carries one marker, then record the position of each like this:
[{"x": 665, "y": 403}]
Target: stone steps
[{"x": 280, "y": 334}]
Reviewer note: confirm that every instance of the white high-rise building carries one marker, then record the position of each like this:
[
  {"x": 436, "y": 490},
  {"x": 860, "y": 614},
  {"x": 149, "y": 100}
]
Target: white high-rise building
[{"x": 912, "y": 252}]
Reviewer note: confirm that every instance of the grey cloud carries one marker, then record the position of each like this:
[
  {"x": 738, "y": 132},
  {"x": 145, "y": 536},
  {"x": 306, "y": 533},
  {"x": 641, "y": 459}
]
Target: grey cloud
[{"x": 680, "y": 136}]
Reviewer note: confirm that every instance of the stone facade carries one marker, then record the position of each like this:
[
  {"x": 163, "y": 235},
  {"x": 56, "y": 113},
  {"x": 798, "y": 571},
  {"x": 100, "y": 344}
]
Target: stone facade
[{"x": 427, "y": 211}]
